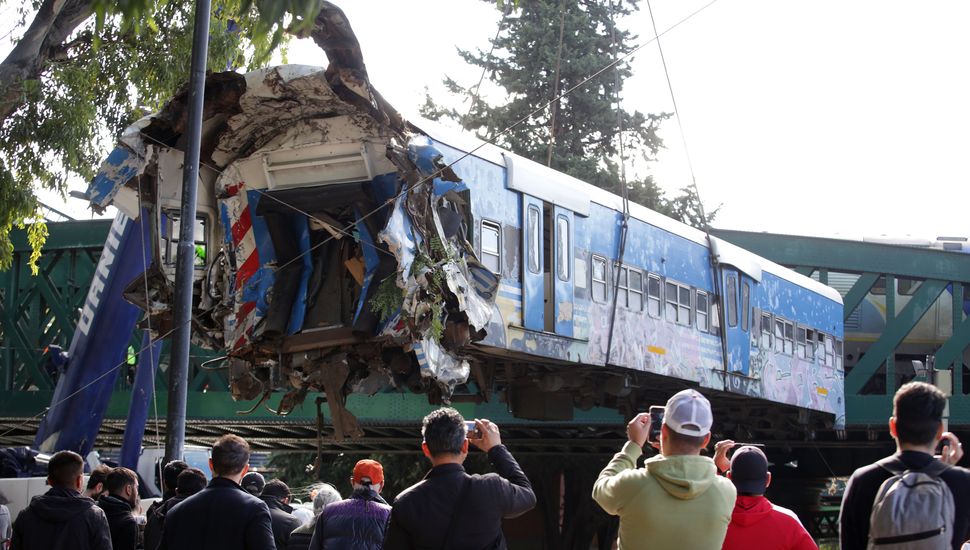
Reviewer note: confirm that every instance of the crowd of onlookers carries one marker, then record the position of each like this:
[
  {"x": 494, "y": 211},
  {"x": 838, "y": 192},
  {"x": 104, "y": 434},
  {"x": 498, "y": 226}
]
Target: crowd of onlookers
[{"x": 677, "y": 499}]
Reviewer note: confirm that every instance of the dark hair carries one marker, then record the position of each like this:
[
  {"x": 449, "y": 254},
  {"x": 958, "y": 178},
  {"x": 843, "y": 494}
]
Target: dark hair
[
  {"x": 190, "y": 481},
  {"x": 118, "y": 479},
  {"x": 276, "y": 488},
  {"x": 918, "y": 408},
  {"x": 63, "y": 469},
  {"x": 444, "y": 431},
  {"x": 230, "y": 454},
  {"x": 682, "y": 441},
  {"x": 170, "y": 474},
  {"x": 98, "y": 475}
]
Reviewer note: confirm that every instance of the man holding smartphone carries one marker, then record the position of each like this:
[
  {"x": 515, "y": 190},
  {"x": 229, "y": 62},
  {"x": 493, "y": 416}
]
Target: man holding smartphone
[{"x": 676, "y": 500}]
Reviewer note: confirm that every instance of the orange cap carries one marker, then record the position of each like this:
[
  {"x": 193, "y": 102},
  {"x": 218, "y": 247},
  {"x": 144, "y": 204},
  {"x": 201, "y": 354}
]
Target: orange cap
[{"x": 369, "y": 470}]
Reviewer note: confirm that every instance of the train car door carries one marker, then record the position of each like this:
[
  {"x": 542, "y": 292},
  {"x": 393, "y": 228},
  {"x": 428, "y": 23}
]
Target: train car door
[
  {"x": 563, "y": 276},
  {"x": 533, "y": 285},
  {"x": 737, "y": 287}
]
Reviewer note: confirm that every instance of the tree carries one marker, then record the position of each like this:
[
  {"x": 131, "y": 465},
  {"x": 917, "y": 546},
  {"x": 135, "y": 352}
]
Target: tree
[
  {"x": 83, "y": 70},
  {"x": 547, "y": 48}
]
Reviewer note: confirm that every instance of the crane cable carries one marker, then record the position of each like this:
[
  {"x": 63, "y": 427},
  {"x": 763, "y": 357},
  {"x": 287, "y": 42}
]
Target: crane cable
[
  {"x": 711, "y": 246},
  {"x": 625, "y": 222}
]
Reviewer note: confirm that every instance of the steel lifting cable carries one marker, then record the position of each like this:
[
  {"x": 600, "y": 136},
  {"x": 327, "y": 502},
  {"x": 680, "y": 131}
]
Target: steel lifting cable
[
  {"x": 555, "y": 83},
  {"x": 625, "y": 223},
  {"x": 389, "y": 201},
  {"x": 148, "y": 318},
  {"x": 712, "y": 249}
]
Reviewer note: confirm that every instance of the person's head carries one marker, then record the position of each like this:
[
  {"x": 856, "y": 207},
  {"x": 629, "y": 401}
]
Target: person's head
[
  {"x": 170, "y": 475},
  {"x": 687, "y": 424},
  {"x": 326, "y": 494},
  {"x": 368, "y": 474},
  {"x": 95, "y": 487},
  {"x": 278, "y": 489},
  {"x": 917, "y": 415},
  {"x": 189, "y": 482},
  {"x": 123, "y": 483},
  {"x": 65, "y": 470},
  {"x": 230, "y": 457},
  {"x": 445, "y": 436},
  {"x": 749, "y": 471},
  {"x": 253, "y": 482}
]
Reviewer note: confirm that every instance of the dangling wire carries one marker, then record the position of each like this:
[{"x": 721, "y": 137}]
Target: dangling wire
[
  {"x": 711, "y": 246},
  {"x": 625, "y": 223},
  {"x": 488, "y": 61},
  {"x": 554, "y": 103}
]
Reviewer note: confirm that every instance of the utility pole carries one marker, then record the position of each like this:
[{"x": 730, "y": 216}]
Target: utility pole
[{"x": 185, "y": 262}]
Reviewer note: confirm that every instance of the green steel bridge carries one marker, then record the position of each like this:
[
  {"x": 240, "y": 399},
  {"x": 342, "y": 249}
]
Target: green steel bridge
[{"x": 38, "y": 311}]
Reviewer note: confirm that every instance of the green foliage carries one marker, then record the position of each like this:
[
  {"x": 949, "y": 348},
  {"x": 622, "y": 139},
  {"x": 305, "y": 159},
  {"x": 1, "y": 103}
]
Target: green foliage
[
  {"x": 388, "y": 298},
  {"x": 525, "y": 61},
  {"x": 119, "y": 66}
]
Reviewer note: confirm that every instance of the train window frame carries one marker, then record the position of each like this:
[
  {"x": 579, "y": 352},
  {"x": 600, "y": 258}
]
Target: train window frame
[
  {"x": 169, "y": 245},
  {"x": 562, "y": 247},
  {"x": 496, "y": 227},
  {"x": 605, "y": 281},
  {"x": 706, "y": 314},
  {"x": 681, "y": 311},
  {"x": 801, "y": 347},
  {"x": 745, "y": 304},
  {"x": 810, "y": 344},
  {"x": 789, "y": 348},
  {"x": 767, "y": 331},
  {"x": 838, "y": 354},
  {"x": 829, "y": 351},
  {"x": 732, "y": 303},
  {"x": 534, "y": 259},
  {"x": 658, "y": 299},
  {"x": 625, "y": 287}
]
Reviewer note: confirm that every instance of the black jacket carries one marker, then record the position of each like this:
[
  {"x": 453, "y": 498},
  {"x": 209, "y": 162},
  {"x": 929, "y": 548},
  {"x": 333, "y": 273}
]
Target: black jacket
[
  {"x": 124, "y": 529},
  {"x": 860, "y": 494},
  {"x": 63, "y": 519},
  {"x": 221, "y": 516},
  {"x": 358, "y": 522},
  {"x": 301, "y": 536},
  {"x": 422, "y": 513},
  {"x": 156, "y": 521},
  {"x": 284, "y": 522}
]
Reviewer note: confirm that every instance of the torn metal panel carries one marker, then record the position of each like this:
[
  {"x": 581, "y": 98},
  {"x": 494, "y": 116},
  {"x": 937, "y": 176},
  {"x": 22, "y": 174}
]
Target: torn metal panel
[{"x": 440, "y": 365}]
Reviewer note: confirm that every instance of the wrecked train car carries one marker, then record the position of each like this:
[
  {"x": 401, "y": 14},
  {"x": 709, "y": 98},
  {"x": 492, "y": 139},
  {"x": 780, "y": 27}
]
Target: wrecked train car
[{"x": 343, "y": 249}]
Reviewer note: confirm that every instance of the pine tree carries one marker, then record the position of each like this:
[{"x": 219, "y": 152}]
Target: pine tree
[{"x": 543, "y": 49}]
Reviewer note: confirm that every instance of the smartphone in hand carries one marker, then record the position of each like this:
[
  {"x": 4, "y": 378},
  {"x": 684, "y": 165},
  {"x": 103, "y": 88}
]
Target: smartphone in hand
[{"x": 656, "y": 421}]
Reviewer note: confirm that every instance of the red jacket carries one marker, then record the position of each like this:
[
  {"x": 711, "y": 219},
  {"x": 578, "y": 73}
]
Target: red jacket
[{"x": 757, "y": 523}]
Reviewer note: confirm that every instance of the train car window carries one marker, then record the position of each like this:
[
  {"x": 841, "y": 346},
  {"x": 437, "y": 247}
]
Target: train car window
[
  {"x": 621, "y": 285},
  {"x": 653, "y": 295},
  {"x": 491, "y": 244},
  {"x": 732, "y": 301},
  {"x": 535, "y": 254},
  {"x": 801, "y": 349},
  {"x": 766, "y": 330},
  {"x": 820, "y": 347},
  {"x": 829, "y": 351},
  {"x": 779, "y": 336},
  {"x": 838, "y": 354},
  {"x": 599, "y": 278},
  {"x": 703, "y": 311},
  {"x": 810, "y": 344},
  {"x": 907, "y": 287},
  {"x": 683, "y": 311},
  {"x": 636, "y": 290},
  {"x": 745, "y": 302},
  {"x": 670, "y": 293},
  {"x": 562, "y": 248},
  {"x": 789, "y": 338},
  {"x": 171, "y": 227}
]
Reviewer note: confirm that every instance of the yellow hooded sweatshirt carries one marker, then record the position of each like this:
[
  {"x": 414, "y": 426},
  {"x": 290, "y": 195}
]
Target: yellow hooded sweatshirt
[{"x": 676, "y": 502}]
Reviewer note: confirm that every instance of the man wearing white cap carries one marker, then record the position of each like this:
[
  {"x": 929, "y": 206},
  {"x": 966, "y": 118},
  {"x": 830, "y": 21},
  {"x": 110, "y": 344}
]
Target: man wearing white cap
[{"x": 676, "y": 500}]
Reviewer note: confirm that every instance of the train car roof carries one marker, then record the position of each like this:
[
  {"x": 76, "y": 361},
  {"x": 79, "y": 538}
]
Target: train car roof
[{"x": 572, "y": 193}]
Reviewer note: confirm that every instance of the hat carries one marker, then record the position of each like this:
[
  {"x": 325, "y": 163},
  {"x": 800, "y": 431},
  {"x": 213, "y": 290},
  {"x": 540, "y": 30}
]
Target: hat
[
  {"x": 368, "y": 471},
  {"x": 689, "y": 413},
  {"x": 253, "y": 482},
  {"x": 749, "y": 470}
]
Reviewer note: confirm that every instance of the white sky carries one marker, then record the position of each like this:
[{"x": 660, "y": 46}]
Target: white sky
[{"x": 819, "y": 118}]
